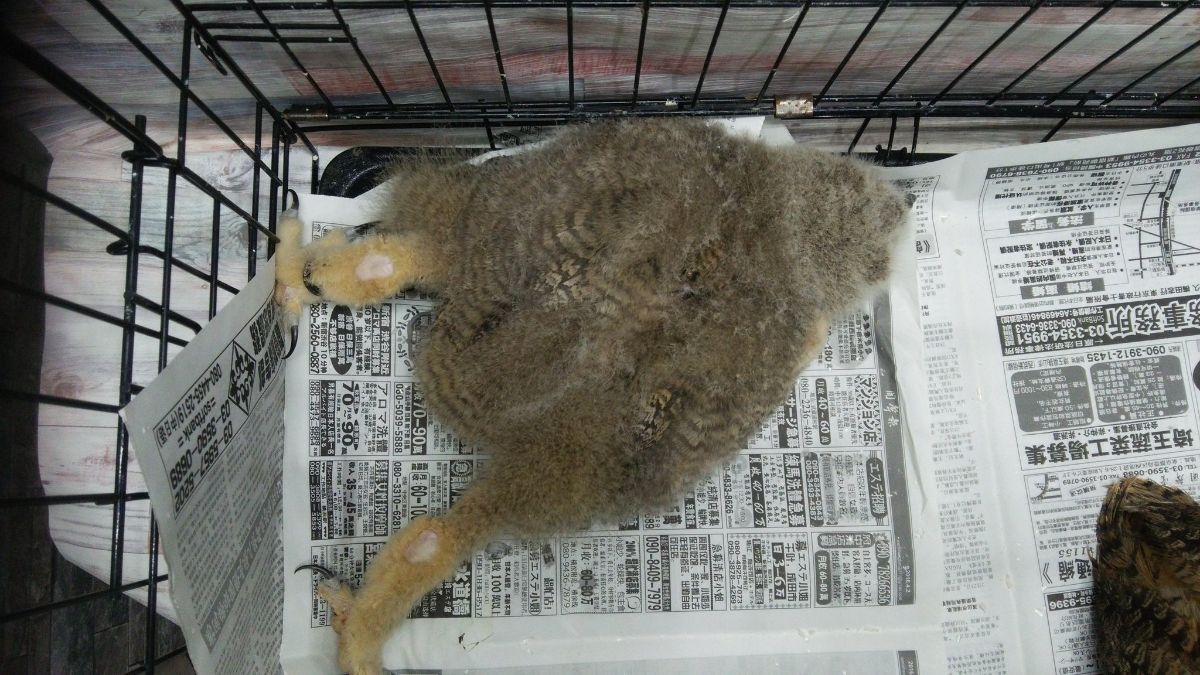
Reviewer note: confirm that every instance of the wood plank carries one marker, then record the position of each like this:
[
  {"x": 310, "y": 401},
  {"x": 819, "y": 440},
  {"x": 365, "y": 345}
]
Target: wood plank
[
  {"x": 71, "y": 634},
  {"x": 532, "y": 44},
  {"x": 25, "y": 557}
]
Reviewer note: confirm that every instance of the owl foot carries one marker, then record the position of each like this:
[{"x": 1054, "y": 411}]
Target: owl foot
[
  {"x": 349, "y": 266},
  {"x": 416, "y": 560},
  {"x": 288, "y": 265},
  {"x": 335, "y": 592},
  {"x": 340, "y": 598},
  {"x": 356, "y": 656},
  {"x": 291, "y": 257},
  {"x": 364, "y": 272}
]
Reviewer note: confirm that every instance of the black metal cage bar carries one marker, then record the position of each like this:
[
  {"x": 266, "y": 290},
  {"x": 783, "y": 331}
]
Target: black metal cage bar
[
  {"x": 946, "y": 100},
  {"x": 146, "y": 155}
]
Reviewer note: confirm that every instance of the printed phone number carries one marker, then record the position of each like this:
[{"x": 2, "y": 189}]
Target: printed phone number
[
  {"x": 1049, "y": 332},
  {"x": 186, "y": 474},
  {"x": 1128, "y": 353}
]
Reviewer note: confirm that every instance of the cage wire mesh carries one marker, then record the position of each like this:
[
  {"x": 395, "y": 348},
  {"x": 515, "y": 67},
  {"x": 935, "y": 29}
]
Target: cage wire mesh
[{"x": 157, "y": 88}]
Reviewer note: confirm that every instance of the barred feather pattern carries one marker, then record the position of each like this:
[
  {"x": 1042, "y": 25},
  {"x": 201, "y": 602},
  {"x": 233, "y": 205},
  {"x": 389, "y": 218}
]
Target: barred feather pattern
[{"x": 1147, "y": 599}]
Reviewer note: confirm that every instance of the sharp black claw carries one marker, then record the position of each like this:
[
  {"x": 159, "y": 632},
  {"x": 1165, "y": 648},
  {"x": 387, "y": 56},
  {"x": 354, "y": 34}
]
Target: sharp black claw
[
  {"x": 319, "y": 569},
  {"x": 312, "y": 288},
  {"x": 295, "y": 333},
  {"x": 362, "y": 230}
]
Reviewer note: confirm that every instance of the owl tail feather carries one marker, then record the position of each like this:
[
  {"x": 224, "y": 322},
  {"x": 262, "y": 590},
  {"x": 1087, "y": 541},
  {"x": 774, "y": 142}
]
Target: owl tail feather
[{"x": 413, "y": 562}]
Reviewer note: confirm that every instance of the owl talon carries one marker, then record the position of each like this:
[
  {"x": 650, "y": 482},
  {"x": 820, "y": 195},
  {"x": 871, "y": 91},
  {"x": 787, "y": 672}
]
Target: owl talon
[
  {"x": 306, "y": 279},
  {"x": 325, "y": 572},
  {"x": 335, "y": 592},
  {"x": 340, "y": 599},
  {"x": 294, "y": 332}
]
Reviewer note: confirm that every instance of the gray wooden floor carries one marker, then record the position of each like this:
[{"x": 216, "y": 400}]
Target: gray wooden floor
[{"x": 101, "y": 636}]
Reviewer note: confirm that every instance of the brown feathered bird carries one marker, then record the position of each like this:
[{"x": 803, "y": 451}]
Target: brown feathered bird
[
  {"x": 620, "y": 308},
  {"x": 1147, "y": 599}
]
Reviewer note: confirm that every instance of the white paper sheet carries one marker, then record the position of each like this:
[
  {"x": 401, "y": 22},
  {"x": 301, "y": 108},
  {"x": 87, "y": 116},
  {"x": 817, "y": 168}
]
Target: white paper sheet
[
  {"x": 1047, "y": 380},
  {"x": 208, "y": 433},
  {"x": 1062, "y": 353}
]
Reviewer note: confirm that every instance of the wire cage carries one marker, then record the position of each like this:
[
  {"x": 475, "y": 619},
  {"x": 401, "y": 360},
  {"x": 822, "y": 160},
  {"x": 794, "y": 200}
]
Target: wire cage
[{"x": 156, "y": 88}]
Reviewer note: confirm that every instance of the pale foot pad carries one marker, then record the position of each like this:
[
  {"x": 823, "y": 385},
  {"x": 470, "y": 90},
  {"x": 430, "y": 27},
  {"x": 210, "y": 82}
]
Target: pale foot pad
[
  {"x": 423, "y": 548},
  {"x": 374, "y": 266}
]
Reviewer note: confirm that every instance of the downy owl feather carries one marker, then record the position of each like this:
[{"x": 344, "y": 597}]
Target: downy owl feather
[{"x": 619, "y": 309}]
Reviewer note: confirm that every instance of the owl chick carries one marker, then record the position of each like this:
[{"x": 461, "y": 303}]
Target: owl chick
[
  {"x": 620, "y": 308},
  {"x": 1147, "y": 572}
]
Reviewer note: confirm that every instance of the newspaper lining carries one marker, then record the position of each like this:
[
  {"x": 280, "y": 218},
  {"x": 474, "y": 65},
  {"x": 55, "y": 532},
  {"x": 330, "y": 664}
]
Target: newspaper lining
[
  {"x": 816, "y": 514},
  {"x": 1059, "y": 288},
  {"x": 208, "y": 433},
  {"x": 820, "y": 537}
]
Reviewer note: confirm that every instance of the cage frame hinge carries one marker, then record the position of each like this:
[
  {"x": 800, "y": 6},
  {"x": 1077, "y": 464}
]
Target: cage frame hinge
[
  {"x": 307, "y": 113},
  {"x": 793, "y": 107},
  {"x": 207, "y": 51}
]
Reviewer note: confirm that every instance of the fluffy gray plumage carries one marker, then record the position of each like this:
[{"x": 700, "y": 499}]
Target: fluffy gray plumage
[{"x": 620, "y": 309}]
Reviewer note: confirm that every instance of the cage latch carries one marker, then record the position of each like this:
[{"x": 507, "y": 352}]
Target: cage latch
[{"x": 792, "y": 107}]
